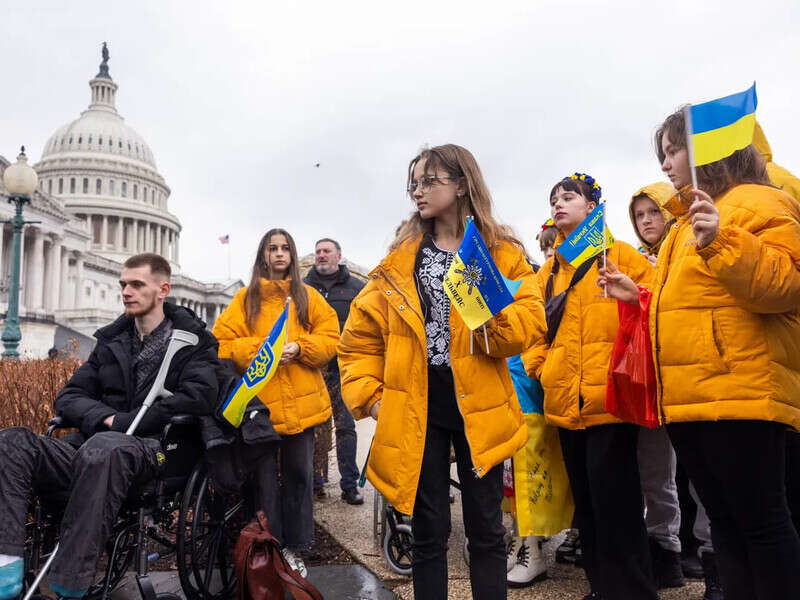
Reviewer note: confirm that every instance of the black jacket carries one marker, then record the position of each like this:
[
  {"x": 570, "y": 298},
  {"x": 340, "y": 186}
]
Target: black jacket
[
  {"x": 340, "y": 295},
  {"x": 103, "y": 385}
]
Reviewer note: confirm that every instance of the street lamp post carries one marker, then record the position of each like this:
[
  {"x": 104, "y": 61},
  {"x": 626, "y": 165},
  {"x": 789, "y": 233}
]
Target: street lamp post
[{"x": 20, "y": 181}]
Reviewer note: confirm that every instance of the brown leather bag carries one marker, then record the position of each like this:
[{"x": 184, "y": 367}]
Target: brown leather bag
[{"x": 261, "y": 571}]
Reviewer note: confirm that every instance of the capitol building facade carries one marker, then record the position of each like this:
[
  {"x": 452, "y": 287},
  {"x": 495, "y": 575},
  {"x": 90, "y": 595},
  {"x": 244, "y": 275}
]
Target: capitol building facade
[{"x": 100, "y": 200}]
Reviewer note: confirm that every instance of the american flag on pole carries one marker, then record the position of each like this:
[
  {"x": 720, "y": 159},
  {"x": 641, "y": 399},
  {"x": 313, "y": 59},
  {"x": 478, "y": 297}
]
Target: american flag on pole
[{"x": 225, "y": 239}]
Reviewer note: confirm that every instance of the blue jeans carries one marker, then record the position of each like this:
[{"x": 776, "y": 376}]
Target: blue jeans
[{"x": 346, "y": 439}]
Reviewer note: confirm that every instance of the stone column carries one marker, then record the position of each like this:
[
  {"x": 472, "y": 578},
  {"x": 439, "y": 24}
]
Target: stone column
[
  {"x": 2, "y": 226},
  {"x": 78, "y": 281},
  {"x": 64, "y": 302},
  {"x": 52, "y": 269},
  {"x": 119, "y": 237},
  {"x": 177, "y": 247},
  {"x": 104, "y": 233},
  {"x": 170, "y": 249},
  {"x": 37, "y": 270},
  {"x": 164, "y": 243},
  {"x": 148, "y": 244}
]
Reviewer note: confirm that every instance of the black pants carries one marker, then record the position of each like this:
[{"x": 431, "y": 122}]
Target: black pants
[
  {"x": 483, "y": 520},
  {"x": 793, "y": 476},
  {"x": 99, "y": 475},
  {"x": 609, "y": 511},
  {"x": 738, "y": 470},
  {"x": 289, "y": 504}
]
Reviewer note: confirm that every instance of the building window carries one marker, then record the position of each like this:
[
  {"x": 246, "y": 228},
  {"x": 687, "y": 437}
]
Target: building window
[
  {"x": 120, "y": 144},
  {"x": 80, "y": 139},
  {"x": 110, "y": 142},
  {"x": 111, "y": 188},
  {"x": 100, "y": 140},
  {"x": 102, "y": 294},
  {"x": 72, "y": 185},
  {"x": 70, "y": 140},
  {"x": 98, "y": 186},
  {"x": 135, "y": 192},
  {"x": 90, "y": 140},
  {"x": 49, "y": 186},
  {"x": 144, "y": 194},
  {"x": 97, "y": 229},
  {"x": 85, "y": 185},
  {"x": 60, "y": 185},
  {"x": 124, "y": 189},
  {"x": 88, "y": 292}
]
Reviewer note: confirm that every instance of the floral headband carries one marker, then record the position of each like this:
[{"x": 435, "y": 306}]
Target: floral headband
[
  {"x": 545, "y": 226},
  {"x": 597, "y": 191}
]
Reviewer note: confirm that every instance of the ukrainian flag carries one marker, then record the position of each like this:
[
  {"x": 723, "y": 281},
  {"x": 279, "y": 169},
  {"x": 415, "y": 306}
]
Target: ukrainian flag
[
  {"x": 721, "y": 127},
  {"x": 587, "y": 239},
  {"x": 474, "y": 284},
  {"x": 542, "y": 496},
  {"x": 260, "y": 371}
]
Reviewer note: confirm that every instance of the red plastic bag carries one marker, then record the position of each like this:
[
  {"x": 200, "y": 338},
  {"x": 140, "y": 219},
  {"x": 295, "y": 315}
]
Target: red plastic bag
[{"x": 631, "y": 387}]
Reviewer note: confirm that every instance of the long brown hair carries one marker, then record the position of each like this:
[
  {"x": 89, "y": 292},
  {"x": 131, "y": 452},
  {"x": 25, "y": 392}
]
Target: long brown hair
[
  {"x": 459, "y": 164},
  {"x": 297, "y": 290},
  {"x": 743, "y": 166}
]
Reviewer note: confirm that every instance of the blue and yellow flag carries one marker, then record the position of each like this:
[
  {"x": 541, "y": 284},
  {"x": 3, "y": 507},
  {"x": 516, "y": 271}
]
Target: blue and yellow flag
[
  {"x": 587, "y": 239},
  {"x": 260, "y": 371},
  {"x": 721, "y": 127},
  {"x": 474, "y": 284},
  {"x": 542, "y": 496}
]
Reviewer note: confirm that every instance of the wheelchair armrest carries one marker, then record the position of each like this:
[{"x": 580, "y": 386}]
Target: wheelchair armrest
[
  {"x": 57, "y": 423},
  {"x": 184, "y": 420}
]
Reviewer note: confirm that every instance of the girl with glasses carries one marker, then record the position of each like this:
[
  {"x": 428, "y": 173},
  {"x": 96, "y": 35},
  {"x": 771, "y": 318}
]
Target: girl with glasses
[{"x": 406, "y": 360}]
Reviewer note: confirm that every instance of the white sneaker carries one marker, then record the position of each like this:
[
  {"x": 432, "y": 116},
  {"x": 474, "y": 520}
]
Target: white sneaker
[
  {"x": 530, "y": 566},
  {"x": 512, "y": 550},
  {"x": 295, "y": 562}
]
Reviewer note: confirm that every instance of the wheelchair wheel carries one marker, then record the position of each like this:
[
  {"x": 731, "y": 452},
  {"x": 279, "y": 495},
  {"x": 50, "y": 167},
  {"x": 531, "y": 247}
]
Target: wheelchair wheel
[
  {"x": 208, "y": 526},
  {"x": 397, "y": 548}
]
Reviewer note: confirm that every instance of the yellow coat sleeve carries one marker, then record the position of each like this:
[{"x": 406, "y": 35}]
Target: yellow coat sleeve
[
  {"x": 521, "y": 323},
  {"x": 756, "y": 255},
  {"x": 533, "y": 358},
  {"x": 362, "y": 353},
  {"x": 318, "y": 346},
  {"x": 235, "y": 340}
]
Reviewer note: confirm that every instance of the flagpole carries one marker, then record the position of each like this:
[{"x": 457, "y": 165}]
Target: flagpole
[
  {"x": 687, "y": 117},
  {"x": 605, "y": 255}
]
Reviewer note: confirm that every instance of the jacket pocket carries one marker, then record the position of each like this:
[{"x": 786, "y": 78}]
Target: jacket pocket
[{"x": 714, "y": 342}]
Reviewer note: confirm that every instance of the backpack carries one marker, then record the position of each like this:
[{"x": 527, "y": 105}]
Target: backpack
[{"x": 262, "y": 572}]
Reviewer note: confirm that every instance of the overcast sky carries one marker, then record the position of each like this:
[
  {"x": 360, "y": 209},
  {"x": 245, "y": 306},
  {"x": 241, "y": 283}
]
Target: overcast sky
[{"x": 239, "y": 100}]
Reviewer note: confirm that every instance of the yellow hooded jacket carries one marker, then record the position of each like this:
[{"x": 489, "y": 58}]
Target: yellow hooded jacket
[
  {"x": 573, "y": 370},
  {"x": 659, "y": 192},
  {"x": 778, "y": 176},
  {"x": 296, "y": 395},
  {"x": 724, "y": 320},
  {"x": 383, "y": 356}
]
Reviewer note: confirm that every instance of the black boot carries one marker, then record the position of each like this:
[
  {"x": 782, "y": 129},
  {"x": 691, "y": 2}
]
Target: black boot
[
  {"x": 713, "y": 585},
  {"x": 666, "y": 566}
]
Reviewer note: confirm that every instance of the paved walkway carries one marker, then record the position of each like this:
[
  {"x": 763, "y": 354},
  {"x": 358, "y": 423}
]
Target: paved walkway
[{"x": 352, "y": 526}]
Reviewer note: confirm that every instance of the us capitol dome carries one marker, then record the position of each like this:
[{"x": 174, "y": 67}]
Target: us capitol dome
[{"x": 100, "y": 200}]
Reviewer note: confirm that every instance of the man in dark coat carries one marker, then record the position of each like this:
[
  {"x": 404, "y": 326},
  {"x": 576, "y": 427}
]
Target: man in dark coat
[
  {"x": 339, "y": 287},
  {"x": 99, "y": 463}
]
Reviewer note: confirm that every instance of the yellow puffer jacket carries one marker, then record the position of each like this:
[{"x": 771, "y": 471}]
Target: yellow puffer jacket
[
  {"x": 724, "y": 319},
  {"x": 296, "y": 395},
  {"x": 574, "y": 369},
  {"x": 383, "y": 356},
  {"x": 659, "y": 192},
  {"x": 778, "y": 176}
]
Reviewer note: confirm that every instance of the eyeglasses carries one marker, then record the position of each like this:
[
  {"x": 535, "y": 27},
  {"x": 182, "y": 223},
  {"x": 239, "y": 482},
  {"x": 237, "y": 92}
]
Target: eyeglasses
[{"x": 425, "y": 183}]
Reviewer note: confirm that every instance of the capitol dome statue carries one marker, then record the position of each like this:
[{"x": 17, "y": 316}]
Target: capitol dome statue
[{"x": 100, "y": 200}]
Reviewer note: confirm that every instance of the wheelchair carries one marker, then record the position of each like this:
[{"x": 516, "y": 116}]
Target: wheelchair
[{"x": 180, "y": 513}]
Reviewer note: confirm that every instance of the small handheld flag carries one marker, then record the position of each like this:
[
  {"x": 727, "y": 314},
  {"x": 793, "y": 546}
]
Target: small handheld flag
[
  {"x": 718, "y": 128},
  {"x": 587, "y": 241},
  {"x": 474, "y": 284},
  {"x": 260, "y": 371}
]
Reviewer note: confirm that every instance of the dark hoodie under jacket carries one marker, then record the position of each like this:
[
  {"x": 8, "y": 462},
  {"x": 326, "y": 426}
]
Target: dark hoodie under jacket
[{"x": 104, "y": 386}]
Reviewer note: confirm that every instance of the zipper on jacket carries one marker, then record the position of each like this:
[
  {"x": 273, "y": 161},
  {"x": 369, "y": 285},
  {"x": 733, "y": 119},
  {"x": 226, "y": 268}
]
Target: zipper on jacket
[{"x": 477, "y": 471}]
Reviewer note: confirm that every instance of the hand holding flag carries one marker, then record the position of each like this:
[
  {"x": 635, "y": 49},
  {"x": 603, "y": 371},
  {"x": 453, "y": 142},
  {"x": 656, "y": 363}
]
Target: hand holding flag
[
  {"x": 588, "y": 239},
  {"x": 260, "y": 371}
]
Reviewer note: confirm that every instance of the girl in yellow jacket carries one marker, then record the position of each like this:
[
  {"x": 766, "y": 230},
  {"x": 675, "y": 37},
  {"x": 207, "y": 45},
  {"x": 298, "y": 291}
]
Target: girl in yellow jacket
[
  {"x": 726, "y": 343},
  {"x": 405, "y": 358},
  {"x": 296, "y": 395},
  {"x": 599, "y": 451}
]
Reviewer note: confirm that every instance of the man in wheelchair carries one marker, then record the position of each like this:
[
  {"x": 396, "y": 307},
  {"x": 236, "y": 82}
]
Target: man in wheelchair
[{"x": 99, "y": 464}]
